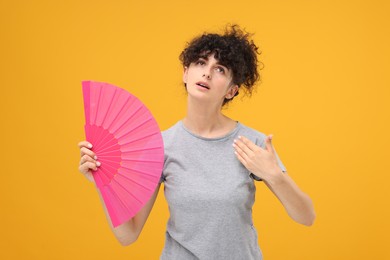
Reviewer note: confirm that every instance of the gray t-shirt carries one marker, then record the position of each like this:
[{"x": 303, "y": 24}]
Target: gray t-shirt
[{"x": 210, "y": 196}]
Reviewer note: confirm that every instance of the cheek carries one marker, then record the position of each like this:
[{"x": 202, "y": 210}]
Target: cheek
[
  {"x": 222, "y": 81},
  {"x": 190, "y": 74}
]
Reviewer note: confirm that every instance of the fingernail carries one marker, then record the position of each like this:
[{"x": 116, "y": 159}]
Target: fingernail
[
  {"x": 89, "y": 145},
  {"x": 95, "y": 157},
  {"x": 239, "y": 136},
  {"x": 98, "y": 163}
]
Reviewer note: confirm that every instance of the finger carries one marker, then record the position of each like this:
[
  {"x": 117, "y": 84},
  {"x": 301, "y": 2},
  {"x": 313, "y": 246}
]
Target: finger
[
  {"x": 240, "y": 158},
  {"x": 243, "y": 145},
  {"x": 268, "y": 143},
  {"x": 89, "y": 159},
  {"x": 85, "y": 144},
  {"x": 87, "y": 167},
  {"x": 86, "y": 151},
  {"x": 252, "y": 146},
  {"x": 86, "y": 158},
  {"x": 239, "y": 150}
]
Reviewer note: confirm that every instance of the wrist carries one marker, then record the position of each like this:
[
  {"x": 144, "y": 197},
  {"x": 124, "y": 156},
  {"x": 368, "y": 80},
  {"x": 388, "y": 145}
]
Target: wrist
[{"x": 275, "y": 178}]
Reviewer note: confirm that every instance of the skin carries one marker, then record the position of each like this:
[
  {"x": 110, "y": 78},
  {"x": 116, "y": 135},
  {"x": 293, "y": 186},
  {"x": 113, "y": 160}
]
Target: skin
[
  {"x": 128, "y": 232},
  {"x": 204, "y": 115},
  {"x": 263, "y": 163},
  {"x": 204, "y": 118}
]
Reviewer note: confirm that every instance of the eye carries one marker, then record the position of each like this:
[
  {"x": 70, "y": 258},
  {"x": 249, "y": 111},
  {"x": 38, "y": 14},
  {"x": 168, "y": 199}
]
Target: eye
[
  {"x": 220, "y": 69},
  {"x": 200, "y": 62}
]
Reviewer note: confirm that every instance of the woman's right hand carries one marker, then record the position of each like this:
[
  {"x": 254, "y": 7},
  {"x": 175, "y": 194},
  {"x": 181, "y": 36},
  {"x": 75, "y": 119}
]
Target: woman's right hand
[{"x": 88, "y": 161}]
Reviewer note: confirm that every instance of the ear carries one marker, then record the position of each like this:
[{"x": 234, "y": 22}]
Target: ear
[
  {"x": 185, "y": 74},
  {"x": 231, "y": 91}
]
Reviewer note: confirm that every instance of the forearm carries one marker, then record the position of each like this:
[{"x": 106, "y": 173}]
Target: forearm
[
  {"x": 298, "y": 205},
  {"x": 128, "y": 232},
  {"x": 124, "y": 233}
]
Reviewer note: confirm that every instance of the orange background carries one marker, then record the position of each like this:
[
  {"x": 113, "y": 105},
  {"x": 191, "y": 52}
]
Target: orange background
[{"x": 324, "y": 96}]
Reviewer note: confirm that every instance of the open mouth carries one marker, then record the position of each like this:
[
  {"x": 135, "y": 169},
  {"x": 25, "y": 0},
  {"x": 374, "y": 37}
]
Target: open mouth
[{"x": 203, "y": 85}]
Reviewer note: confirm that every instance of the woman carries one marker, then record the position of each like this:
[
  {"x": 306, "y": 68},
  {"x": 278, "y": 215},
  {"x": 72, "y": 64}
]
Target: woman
[{"x": 211, "y": 161}]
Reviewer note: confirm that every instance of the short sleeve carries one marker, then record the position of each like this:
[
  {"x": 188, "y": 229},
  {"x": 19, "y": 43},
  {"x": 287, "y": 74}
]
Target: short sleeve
[{"x": 162, "y": 178}]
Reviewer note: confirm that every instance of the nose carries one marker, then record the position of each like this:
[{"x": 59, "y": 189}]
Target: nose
[{"x": 207, "y": 74}]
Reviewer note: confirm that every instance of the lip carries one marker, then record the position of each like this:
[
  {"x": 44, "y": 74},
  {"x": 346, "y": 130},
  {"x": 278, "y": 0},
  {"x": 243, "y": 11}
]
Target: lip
[{"x": 203, "y": 84}]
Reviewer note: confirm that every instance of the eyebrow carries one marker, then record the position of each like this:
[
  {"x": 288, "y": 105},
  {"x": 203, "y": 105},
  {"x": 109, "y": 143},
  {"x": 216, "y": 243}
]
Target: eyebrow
[{"x": 206, "y": 57}]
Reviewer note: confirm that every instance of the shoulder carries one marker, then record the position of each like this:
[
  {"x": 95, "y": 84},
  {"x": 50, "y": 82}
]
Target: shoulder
[
  {"x": 252, "y": 134},
  {"x": 169, "y": 134}
]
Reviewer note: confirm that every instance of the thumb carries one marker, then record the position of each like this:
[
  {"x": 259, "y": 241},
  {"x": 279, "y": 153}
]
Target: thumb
[{"x": 268, "y": 143}]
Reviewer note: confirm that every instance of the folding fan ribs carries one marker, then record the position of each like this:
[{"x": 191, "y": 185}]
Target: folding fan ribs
[{"x": 128, "y": 143}]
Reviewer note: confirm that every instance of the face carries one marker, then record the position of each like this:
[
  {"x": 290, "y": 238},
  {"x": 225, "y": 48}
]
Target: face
[{"x": 208, "y": 80}]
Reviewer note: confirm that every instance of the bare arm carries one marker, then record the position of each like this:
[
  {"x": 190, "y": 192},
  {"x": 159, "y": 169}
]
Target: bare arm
[
  {"x": 128, "y": 232},
  {"x": 297, "y": 204},
  {"x": 263, "y": 163}
]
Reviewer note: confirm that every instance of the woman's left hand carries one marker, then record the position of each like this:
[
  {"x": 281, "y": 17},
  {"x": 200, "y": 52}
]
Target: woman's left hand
[{"x": 259, "y": 161}]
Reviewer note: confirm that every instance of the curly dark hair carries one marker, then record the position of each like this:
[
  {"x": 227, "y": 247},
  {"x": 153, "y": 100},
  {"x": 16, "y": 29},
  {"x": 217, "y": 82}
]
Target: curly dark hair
[{"x": 234, "y": 49}]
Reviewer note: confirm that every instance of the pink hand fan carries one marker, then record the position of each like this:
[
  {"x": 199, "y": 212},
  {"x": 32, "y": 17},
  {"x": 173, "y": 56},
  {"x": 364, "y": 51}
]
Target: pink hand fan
[{"x": 128, "y": 143}]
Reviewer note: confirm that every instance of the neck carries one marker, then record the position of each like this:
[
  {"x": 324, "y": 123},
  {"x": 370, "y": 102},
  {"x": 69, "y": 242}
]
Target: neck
[{"x": 206, "y": 120}]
